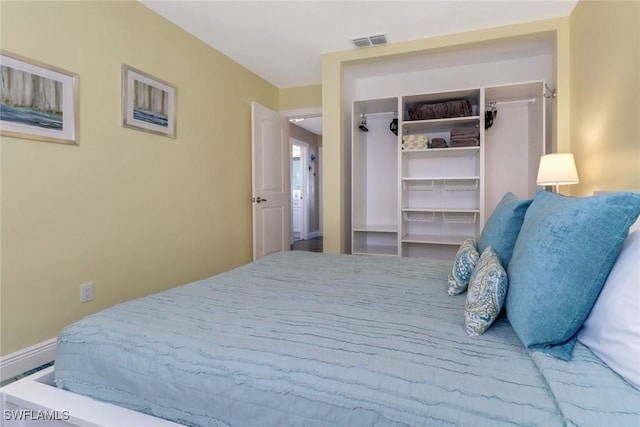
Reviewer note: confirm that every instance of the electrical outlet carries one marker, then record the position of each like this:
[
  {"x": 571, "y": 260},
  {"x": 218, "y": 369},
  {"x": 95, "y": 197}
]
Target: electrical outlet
[{"x": 86, "y": 292}]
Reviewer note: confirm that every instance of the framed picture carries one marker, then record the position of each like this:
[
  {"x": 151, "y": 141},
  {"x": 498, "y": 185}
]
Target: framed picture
[
  {"x": 37, "y": 101},
  {"x": 148, "y": 103}
]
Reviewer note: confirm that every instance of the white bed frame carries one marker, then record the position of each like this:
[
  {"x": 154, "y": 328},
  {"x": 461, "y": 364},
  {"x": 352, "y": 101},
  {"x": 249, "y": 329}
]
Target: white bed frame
[{"x": 35, "y": 401}]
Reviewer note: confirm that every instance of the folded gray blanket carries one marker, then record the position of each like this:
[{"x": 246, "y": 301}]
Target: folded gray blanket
[
  {"x": 464, "y": 142},
  {"x": 466, "y": 132},
  {"x": 441, "y": 110},
  {"x": 437, "y": 143}
]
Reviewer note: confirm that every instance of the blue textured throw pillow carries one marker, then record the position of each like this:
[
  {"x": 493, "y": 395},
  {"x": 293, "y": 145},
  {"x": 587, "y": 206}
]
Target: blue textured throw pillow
[
  {"x": 463, "y": 265},
  {"x": 563, "y": 255},
  {"x": 502, "y": 228},
  {"x": 486, "y": 293}
]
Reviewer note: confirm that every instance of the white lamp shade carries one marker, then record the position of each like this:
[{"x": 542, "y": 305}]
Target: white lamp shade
[{"x": 557, "y": 169}]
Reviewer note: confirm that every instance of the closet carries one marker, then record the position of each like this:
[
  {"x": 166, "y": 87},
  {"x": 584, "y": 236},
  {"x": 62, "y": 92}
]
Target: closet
[
  {"x": 375, "y": 178},
  {"x": 424, "y": 179}
]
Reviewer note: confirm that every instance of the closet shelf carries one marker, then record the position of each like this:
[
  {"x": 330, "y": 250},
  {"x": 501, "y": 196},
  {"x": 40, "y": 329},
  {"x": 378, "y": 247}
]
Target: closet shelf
[
  {"x": 449, "y": 183},
  {"x": 439, "y": 125},
  {"x": 376, "y": 228},
  {"x": 460, "y": 217},
  {"x": 419, "y": 184},
  {"x": 377, "y": 250},
  {"x": 461, "y": 184},
  {"x": 442, "y": 152},
  {"x": 419, "y": 216},
  {"x": 433, "y": 239},
  {"x": 457, "y": 216}
]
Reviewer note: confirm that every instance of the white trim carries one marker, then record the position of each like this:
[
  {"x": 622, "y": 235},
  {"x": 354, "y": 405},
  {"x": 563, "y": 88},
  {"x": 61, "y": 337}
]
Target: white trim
[
  {"x": 320, "y": 165},
  {"x": 314, "y": 234},
  {"x": 302, "y": 112},
  {"x": 28, "y": 358},
  {"x": 37, "y": 394}
]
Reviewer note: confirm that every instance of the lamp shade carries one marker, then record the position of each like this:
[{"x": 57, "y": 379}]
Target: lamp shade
[{"x": 557, "y": 169}]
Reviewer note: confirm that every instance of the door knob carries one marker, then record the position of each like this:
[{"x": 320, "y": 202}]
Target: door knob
[{"x": 258, "y": 199}]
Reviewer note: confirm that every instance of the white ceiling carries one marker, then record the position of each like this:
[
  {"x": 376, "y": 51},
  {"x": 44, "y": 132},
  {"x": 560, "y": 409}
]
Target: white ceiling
[
  {"x": 312, "y": 124},
  {"x": 282, "y": 41}
]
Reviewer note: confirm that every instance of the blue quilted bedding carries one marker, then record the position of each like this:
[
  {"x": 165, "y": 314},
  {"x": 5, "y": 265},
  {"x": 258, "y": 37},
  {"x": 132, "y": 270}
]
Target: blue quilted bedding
[{"x": 307, "y": 339}]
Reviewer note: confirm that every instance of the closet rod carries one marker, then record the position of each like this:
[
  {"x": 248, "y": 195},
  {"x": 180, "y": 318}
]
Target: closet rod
[
  {"x": 494, "y": 103},
  {"x": 378, "y": 114}
]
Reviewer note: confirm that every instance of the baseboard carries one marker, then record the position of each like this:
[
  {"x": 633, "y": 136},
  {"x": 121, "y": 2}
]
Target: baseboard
[{"x": 28, "y": 358}]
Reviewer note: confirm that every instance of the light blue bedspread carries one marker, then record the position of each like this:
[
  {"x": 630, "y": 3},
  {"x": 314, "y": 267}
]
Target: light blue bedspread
[{"x": 307, "y": 339}]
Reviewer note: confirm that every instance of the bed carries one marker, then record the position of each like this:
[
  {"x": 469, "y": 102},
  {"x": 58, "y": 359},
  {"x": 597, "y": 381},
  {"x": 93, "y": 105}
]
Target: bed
[{"x": 316, "y": 339}]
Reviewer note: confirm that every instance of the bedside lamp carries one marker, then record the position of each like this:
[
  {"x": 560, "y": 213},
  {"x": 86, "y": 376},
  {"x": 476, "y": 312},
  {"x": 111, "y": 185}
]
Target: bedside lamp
[{"x": 557, "y": 169}]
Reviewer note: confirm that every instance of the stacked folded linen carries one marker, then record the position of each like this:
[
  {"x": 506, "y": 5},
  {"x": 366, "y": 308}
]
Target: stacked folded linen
[
  {"x": 438, "y": 143},
  {"x": 465, "y": 137},
  {"x": 441, "y": 110},
  {"x": 414, "y": 142}
]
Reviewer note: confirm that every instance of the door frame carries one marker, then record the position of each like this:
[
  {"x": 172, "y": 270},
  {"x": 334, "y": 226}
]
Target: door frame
[
  {"x": 312, "y": 112},
  {"x": 304, "y": 167}
]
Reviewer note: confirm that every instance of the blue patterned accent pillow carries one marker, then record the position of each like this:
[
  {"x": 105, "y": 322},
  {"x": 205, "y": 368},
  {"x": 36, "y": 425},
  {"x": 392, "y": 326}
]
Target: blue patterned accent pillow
[
  {"x": 463, "y": 265},
  {"x": 564, "y": 253},
  {"x": 503, "y": 226},
  {"x": 486, "y": 293}
]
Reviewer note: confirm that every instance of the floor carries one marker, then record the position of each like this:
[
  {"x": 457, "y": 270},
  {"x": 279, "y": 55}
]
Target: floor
[{"x": 311, "y": 245}]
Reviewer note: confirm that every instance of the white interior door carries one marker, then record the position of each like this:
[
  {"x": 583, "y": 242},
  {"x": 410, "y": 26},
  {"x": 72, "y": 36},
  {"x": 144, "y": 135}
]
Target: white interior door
[{"x": 271, "y": 182}]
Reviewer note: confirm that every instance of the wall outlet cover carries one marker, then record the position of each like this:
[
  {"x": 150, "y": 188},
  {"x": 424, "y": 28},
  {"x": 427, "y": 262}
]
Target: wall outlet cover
[{"x": 86, "y": 292}]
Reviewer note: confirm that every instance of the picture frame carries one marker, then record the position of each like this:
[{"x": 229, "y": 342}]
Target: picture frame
[
  {"x": 37, "y": 101},
  {"x": 148, "y": 103}
]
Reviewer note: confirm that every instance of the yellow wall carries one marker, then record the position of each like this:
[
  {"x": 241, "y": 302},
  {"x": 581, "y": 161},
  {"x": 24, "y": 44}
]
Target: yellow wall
[
  {"x": 300, "y": 97},
  {"x": 333, "y": 111},
  {"x": 605, "y": 102},
  {"x": 131, "y": 211}
]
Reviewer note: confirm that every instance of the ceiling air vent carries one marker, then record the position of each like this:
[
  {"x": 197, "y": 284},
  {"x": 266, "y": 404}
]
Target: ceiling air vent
[
  {"x": 362, "y": 42},
  {"x": 379, "y": 39},
  {"x": 370, "y": 40}
]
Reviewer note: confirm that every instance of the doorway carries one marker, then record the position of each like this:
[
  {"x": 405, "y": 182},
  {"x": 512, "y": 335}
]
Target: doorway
[
  {"x": 305, "y": 133},
  {"x": 299, "y": 191}
]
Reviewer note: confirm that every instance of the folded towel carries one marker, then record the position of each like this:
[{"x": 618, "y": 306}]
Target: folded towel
[
  {"x": 464, "y": 142},
  {"x": 453, "y": 137},
  {"x": 438, "y": 143},
  {"x": 415, "y": 138},
  {"x": 460, "y": 108},
  {"x": 441, "y": 110},
  {"x": 468, "y": 132},
  {"x": 415, "y": 142},
  {"x": 421, "y": 112},
  {"x": 414, "y": 145},
  {"x": 459, "y": 137}
]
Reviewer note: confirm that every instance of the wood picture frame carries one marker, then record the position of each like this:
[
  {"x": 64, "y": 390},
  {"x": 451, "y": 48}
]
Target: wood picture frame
[
  {"x": 148, "y": 103},
  {"x": 37, "y": 101}
]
